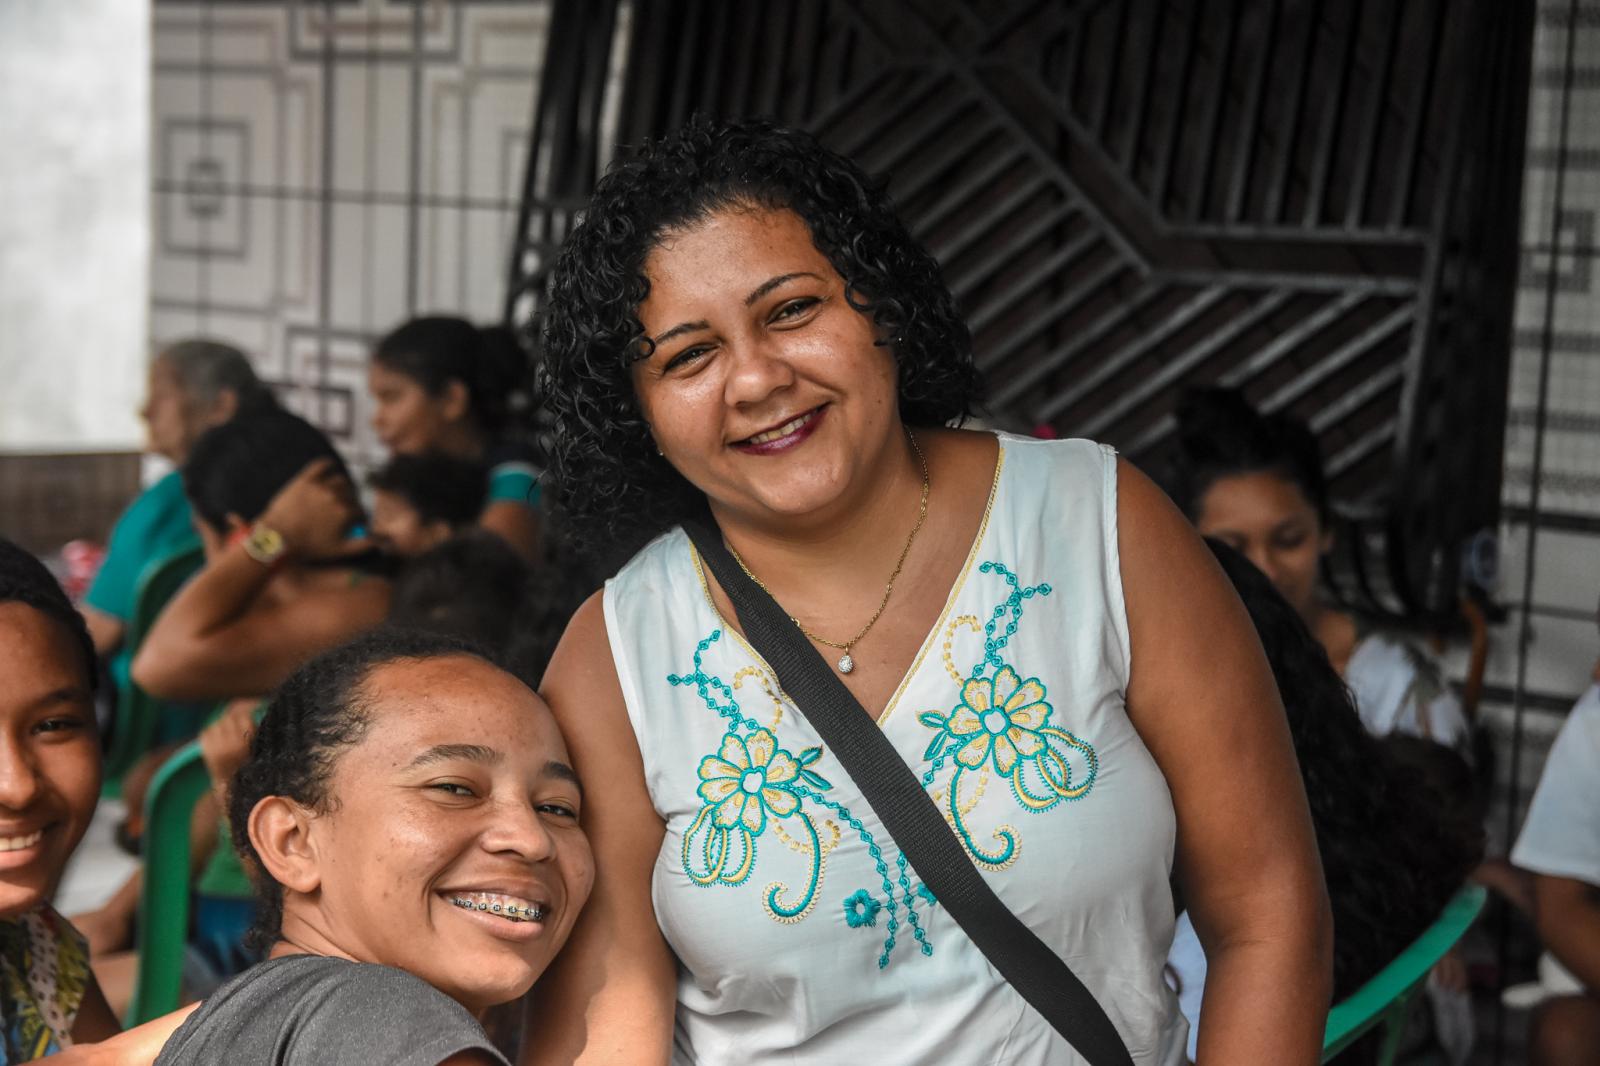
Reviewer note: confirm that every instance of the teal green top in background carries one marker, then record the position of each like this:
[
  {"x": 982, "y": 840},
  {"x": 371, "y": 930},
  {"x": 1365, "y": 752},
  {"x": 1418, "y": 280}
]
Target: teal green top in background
[{"x": 155, "y": 525}]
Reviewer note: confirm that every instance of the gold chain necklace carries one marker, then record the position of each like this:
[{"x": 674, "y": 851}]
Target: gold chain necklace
[{"x": 846, "y": 663}]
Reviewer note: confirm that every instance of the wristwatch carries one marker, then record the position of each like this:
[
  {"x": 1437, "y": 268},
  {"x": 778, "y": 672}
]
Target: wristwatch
[{"x": 265, "y": 545}]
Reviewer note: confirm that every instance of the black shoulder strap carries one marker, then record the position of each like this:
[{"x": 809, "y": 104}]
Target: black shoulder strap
[{"x": 900, "y": 802}]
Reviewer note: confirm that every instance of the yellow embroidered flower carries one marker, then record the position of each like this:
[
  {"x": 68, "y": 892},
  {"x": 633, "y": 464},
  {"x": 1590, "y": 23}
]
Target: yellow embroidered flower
[
  {"x": 999, "y": 717},
  {"x": 747, "y": 778}
]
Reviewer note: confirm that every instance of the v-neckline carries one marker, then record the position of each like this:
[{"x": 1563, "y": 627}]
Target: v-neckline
[{"x": 928, "y": 641}]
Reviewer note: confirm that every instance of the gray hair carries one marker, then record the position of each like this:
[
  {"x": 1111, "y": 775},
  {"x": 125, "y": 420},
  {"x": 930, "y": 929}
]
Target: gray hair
[{"x": 207, "y": 368}]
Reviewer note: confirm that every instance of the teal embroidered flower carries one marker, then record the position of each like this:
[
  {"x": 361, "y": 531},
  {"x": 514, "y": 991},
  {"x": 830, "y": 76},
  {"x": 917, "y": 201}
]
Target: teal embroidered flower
[
  {"x": 998, "y": 718},
  {"x": 927, "y": 895},
  {"x": 861, "y": 909},
  {"x": 748, "y": 777}
]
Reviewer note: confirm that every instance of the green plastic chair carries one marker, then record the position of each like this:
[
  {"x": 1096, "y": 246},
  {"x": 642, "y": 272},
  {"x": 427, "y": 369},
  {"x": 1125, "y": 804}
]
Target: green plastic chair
[
  {"x": 164, "y": 900},
  {"x": 139, "y": 713},
  {"x": 1386, "y": 998}
]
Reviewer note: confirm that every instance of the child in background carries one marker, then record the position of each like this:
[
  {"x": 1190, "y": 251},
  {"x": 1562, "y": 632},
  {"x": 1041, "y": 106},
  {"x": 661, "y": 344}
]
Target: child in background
[
  {"x": 49, "y": 784},
  {"x": 420, "y": 501},
  {"x": 469, "y": 586}
]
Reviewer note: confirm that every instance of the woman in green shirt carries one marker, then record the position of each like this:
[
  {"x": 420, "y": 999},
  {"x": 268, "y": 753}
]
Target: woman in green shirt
[{"x": 194, "y": 385}]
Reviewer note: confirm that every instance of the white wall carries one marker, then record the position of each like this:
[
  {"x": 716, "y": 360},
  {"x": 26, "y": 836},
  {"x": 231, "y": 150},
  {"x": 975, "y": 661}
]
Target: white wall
[
  {"x": 317, "y": 180},
  {"x": 74, "y": 222}
]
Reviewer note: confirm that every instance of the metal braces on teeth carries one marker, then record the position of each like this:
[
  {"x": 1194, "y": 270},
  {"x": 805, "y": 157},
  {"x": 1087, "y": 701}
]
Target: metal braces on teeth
[{"x": 508, "y": 910}]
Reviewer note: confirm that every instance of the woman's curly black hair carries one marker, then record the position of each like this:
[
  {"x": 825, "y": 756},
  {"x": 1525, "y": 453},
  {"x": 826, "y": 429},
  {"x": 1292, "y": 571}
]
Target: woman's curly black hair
[
  {"x": 612, "y": 481},
  {"x": 320, "y": 711},
  {"x": 1395, "y": 844}
]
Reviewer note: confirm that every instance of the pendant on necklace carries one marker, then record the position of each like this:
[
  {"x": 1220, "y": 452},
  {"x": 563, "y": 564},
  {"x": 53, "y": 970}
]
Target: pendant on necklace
[{"x": 846, "y": 664}]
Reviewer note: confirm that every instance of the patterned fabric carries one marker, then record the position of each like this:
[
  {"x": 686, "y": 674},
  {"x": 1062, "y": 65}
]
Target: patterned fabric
[
  {"x": 804, "y": 934},
  {"x": 44, "y": 964}
]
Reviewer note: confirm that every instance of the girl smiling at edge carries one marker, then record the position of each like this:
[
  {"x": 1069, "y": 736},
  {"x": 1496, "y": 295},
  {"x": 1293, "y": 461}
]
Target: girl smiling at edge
[{"x": 49, "y": 785}]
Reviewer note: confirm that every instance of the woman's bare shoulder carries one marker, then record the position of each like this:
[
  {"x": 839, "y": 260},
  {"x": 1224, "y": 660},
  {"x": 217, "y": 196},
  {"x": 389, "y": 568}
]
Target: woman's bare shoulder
[{"x": 581, "y": 684}]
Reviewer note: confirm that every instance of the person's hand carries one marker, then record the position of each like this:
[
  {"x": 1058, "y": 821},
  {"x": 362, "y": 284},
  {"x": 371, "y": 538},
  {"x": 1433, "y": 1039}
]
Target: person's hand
[
  {"x": 225, "y": 743},
  {"x": 315, "y": 511},
  {"x": 106, "y": 930}
]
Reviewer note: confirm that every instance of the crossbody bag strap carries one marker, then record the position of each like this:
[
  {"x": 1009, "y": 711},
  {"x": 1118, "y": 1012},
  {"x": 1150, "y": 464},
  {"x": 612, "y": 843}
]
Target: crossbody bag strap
[{"x": 892, "y": 790}]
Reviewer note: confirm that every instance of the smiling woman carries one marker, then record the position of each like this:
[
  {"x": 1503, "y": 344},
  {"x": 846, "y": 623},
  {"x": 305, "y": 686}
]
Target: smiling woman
[
  {"x": 49, "y": 782},
  {"x": 741, "y": 328},
  {"x": 413, "y": 820}
]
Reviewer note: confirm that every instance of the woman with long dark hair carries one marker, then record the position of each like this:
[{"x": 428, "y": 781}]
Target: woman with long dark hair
[
  {"x": 442, "y": 384},
  {"x": 1255, "y": 482},
  {"x": 1394, "y": 849}
]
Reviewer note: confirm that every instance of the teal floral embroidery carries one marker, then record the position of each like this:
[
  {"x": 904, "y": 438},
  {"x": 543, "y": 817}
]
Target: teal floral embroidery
[
  {"x": 861, "y": 909},
  {"x": 751, "y": 784},
  {"x": 749, "y": 777},
  {"x": 1001, "y": 722},
  {"x": 998, "y": 720}
]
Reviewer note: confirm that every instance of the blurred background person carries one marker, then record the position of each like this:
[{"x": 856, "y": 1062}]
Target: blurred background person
[
  {"x": 1255, "y": 483},
  {"x": 1394, "y": 849},
  {"x": 421, "y": 500},
  {"x": 1560, "y": 844},
  {"x": 443, "y": 384},
  {"x": 283, "y": 580},
  {"x": 274, "y": 506},
  {"x": 193, "y": 386},
  {"x": 470, "y": 586}
]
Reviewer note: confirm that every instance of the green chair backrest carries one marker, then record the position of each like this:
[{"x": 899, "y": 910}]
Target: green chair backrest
[
  {"x": 1386, "y": 998},
  {"x": 164, "y": 899},
  {"x": 138, "y": 713}
]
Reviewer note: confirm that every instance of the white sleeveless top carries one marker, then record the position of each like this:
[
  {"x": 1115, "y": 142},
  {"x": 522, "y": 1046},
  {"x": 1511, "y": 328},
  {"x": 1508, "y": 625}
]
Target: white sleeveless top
[{"x": 802, "y": 934}]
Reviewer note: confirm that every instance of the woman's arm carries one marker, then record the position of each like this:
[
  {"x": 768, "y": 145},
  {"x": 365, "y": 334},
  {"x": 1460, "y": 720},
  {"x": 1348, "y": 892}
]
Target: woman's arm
[
  {"x": 136, "y": 1047},
  {"x": 200, "y": 650},
  {"x": 1568, "y": 916},
  {"x": 610, "y": 995},
  {"x": 216, "y": 639},
  {"x": 1202, "y": 697}
]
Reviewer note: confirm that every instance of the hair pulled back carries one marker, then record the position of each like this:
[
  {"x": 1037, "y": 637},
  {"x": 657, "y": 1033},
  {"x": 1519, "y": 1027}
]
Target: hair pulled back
[
  {"x": 1221, "y": 435},
  {"x": 1392, "y": 850},
  {"x": 612, "y": 481},
  {"x": 24, "y": 580},
  {"x": 239, "y": 466},
  {"x": 319, "y": 712},
  {"x": 435, "y": 350}
]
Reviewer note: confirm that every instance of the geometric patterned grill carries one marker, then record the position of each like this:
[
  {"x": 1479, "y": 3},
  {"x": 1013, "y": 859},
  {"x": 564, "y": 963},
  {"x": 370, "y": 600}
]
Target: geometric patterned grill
[{"x": 1314, "y": 201}]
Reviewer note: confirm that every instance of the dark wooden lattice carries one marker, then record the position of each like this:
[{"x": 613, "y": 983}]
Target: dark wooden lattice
[{"x": 1313, "y": 200}]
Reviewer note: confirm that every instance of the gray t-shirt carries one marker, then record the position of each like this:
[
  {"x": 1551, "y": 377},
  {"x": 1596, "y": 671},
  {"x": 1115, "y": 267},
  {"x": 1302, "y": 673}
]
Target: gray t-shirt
[{"x": 305, "y": 1009}]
